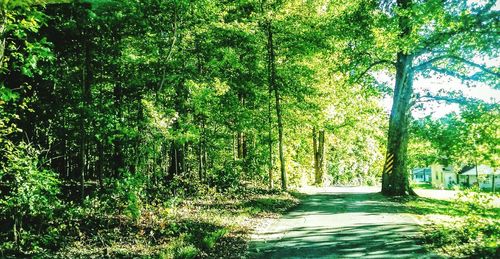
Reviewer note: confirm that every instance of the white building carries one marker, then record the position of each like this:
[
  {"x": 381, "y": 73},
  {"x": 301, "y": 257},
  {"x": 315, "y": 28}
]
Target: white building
[{"x": 487, "y": 177}]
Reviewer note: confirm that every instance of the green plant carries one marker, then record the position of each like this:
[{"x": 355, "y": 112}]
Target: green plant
[
  {"x": 474, "y": 237},
  {"x": 210, "y": 240},
  {"x": 30, "y": 197},
  {"x": 130, "y": 192},
  {"x": 474, "y": 200},
  {"x": 180, "y": 247}
]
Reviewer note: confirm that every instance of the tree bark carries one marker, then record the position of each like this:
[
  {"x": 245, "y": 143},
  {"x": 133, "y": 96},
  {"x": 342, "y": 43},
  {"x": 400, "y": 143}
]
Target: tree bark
[
  {"x": 274, "y": 85},
  {"x": 395, "y": 175}
]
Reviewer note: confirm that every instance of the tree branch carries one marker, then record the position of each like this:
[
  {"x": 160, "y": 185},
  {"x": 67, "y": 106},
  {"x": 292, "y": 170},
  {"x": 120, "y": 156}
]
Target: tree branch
[
  {"x": 373, "y": 65},
  {"x": 170, "y": 51},
  {"x": 474, "y": 77},
  {"x": 448, "y": 99},
  {"x": 429, "y": 64},
  {"x": 479, "y": 18},
  {"x": 486, "y": 8}
]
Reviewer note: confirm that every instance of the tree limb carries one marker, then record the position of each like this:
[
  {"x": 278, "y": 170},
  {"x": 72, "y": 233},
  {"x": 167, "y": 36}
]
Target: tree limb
[
  {"x": 448, "y": 99},
  {"x": 373, "y": 65},
  {"x": 429, "y": 64},
  {"x": 442, "y": 37},
  {"x": 174, "y": 36},
  {"x": 474, "y": 77}
]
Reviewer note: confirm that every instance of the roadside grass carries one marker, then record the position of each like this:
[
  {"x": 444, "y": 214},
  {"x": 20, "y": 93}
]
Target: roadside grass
[
  {"x": 467, "y": 227},
  {"x": 210, "y": 225},
  {"x": 426, "y": 186}
]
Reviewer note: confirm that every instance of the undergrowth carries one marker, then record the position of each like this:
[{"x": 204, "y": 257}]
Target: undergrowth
[
  {"x": 471, "y": 230},
  {"x": 210, "y": 224}
]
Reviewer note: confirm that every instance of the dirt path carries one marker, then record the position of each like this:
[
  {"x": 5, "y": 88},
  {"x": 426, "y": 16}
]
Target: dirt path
[{"x": 340, "y": 222}]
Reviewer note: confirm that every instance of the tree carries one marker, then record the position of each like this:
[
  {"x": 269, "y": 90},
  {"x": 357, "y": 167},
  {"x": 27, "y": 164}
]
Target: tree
[{"x": 440, "y": 37}]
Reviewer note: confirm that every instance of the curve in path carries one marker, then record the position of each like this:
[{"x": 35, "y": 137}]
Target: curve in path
[{"x": 341, "y": 223}]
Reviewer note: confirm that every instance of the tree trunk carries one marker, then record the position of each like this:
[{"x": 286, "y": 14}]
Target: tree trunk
[
  {"x": 201, "y": 148},
  {"x": 315, "y": 154},
  {"x": 270, "y": 125},
  {"x": 493, "y": 181},
  {"x": 200, "y": 161},
  {"x": 100, "y": 164},
  {"x": 319, "y": 152},
  {"x": 86, "y": 78},
  {"x": 395, "y": 175},
  {"x": 176, "y": 166},
  {"x": 321, "y": 155},
  {"x": 477, "y": 178},
  {"x": 274, "y": 85},
  {"x": 3, "y": 25},
  {"x": 239, "y": 144},
  {"x": 270, "y": 138},
  {"x": 177, "y": 163}
]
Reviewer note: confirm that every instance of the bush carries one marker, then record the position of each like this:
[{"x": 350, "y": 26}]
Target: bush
[
  {"x": 227, "y": 177},
  {"x": 28, "y": 199},
  {"x": 476, "y": 236},
  {"x": 129, "y": 192},
  {"x": 474, "y": 200}
]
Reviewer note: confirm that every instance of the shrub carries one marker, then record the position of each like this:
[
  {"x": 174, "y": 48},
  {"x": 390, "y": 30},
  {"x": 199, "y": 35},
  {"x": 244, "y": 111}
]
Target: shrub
[
  {"x": 28, "y": 198},
  {"x": 476, "y": 236}
]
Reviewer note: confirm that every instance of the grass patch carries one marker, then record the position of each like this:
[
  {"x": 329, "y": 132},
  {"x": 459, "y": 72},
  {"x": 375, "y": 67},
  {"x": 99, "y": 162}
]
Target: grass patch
[
  {"x": 426, "y": 186},
  {"x": 468, "y": 227}
]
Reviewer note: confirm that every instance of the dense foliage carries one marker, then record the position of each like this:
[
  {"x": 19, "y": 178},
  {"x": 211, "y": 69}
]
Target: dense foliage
[{"x": 112, "y": 108}]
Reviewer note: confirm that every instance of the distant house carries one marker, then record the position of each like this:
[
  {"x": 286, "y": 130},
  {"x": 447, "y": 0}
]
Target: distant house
[
  {"x": 437, "y": 175},
  {"x": 421, "y": 175},
  {"x": 488, "y": 177},
  {"x": 443, "y": 177}
]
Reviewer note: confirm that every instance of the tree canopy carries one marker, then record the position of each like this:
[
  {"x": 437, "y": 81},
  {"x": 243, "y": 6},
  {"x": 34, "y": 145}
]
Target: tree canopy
[{"x": 140, "y": 101}]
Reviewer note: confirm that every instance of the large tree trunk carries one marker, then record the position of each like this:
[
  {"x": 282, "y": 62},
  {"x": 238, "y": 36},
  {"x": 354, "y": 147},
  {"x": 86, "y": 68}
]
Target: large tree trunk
[
  {"x": 395, "y": 175},
  {"x": 272, "y": 82}
]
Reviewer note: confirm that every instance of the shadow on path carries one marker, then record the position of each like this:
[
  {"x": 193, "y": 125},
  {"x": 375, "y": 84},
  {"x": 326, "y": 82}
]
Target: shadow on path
[{"x": 341, "y": 225}]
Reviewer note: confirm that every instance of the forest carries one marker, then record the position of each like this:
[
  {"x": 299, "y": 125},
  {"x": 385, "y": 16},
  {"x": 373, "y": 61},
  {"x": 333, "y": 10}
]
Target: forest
[{"x": 170, "y": 128}]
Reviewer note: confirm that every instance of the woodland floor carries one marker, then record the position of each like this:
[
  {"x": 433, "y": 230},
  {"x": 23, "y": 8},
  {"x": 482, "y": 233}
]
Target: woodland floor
[{"x": 342, "y": 222}]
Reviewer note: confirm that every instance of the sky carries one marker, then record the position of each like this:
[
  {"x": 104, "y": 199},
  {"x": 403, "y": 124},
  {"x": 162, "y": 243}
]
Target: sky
[{"x": 439, "y": 86}]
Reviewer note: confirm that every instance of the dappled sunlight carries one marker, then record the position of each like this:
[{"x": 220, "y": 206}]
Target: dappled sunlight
[{"x": 341, "y": 222}]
